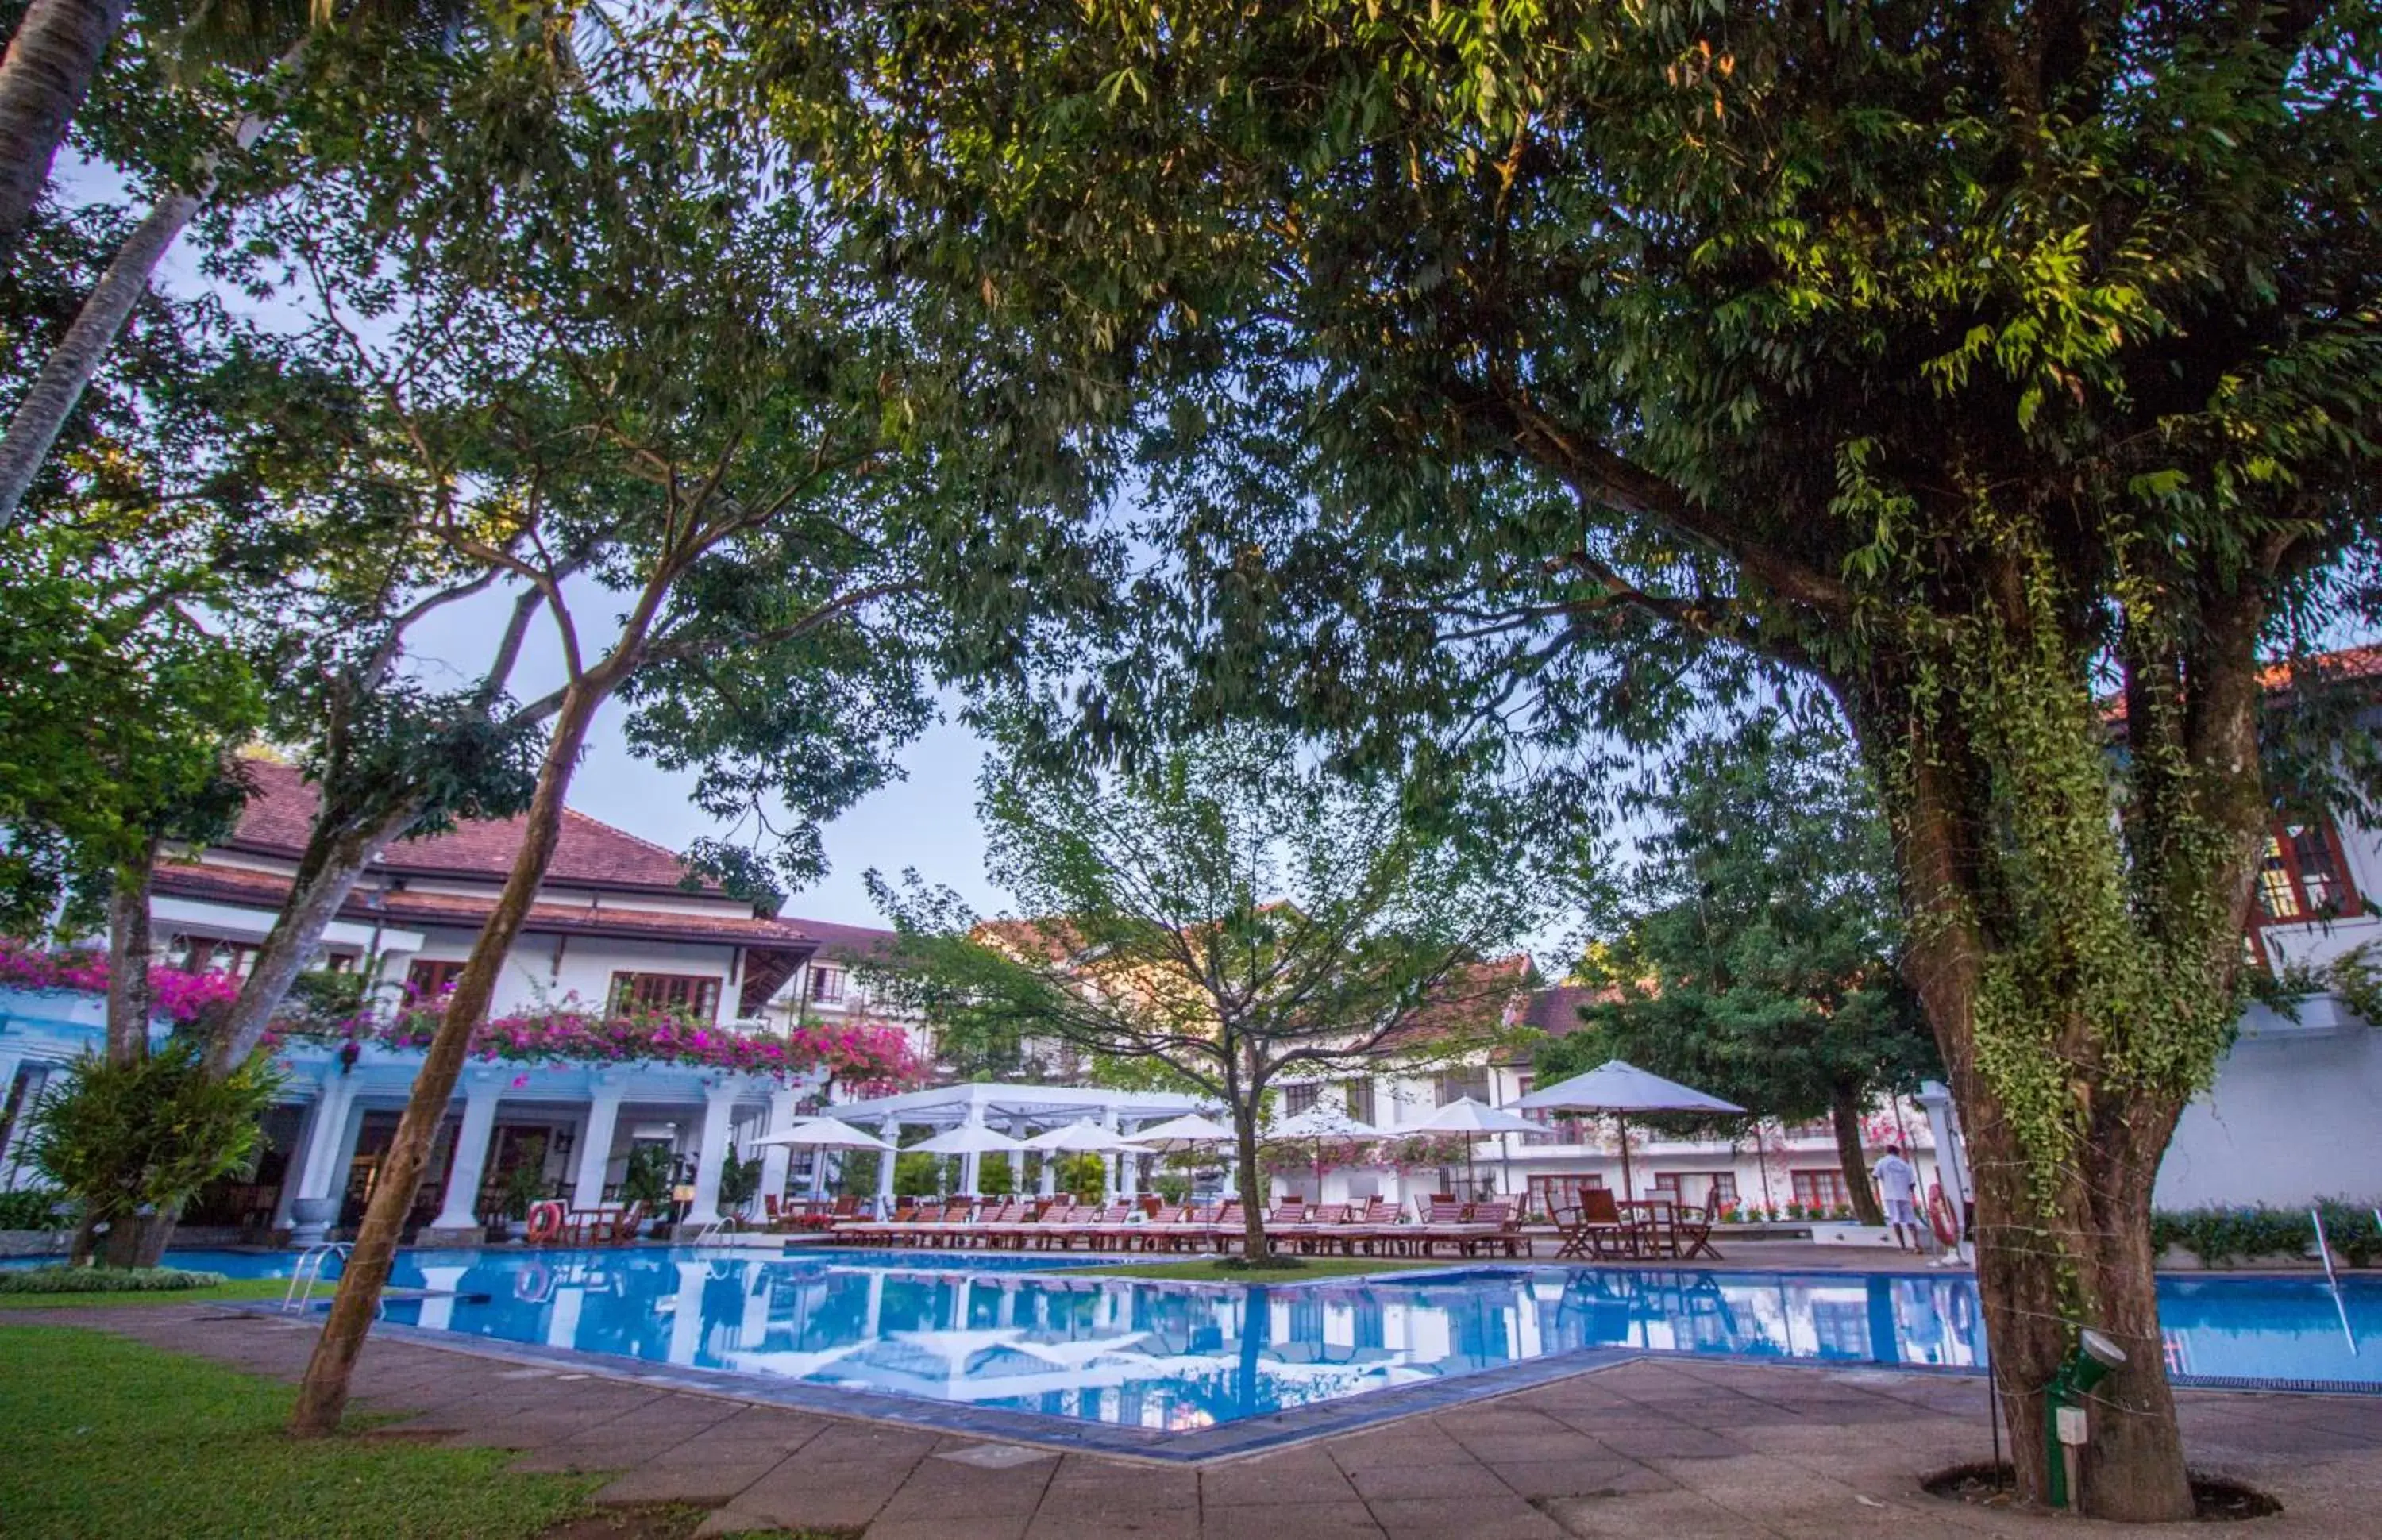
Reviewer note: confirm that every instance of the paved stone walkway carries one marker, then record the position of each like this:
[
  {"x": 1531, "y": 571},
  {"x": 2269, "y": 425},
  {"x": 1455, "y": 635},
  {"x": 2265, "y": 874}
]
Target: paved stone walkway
[{"x": 1669, "y": 1449}]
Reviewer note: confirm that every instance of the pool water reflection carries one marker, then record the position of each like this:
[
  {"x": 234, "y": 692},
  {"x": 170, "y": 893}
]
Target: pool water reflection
[{"x": 1156, "y": 1355}]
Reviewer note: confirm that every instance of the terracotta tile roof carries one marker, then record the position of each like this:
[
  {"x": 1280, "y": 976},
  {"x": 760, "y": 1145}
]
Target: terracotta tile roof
[
  {"x": 2319, "y": 668},
  {"x": 841, "y": 943},
  {"x": 590, "y": 852},
  {"x": 267, "y": 890},
  {"x": 1555, "y": 1012}
]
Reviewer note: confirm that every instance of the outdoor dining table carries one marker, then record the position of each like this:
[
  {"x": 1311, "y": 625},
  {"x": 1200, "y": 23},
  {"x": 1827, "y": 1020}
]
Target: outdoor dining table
[{"x": 1653, "y": 1226}]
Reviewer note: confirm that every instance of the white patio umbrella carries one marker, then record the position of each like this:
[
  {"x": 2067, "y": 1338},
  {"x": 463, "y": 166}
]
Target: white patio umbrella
[
  {"x": 967, "y": 1139},
  {"x": 1079, "y": 1138},
  {"x": 1319, "y": 1123},
  {"x": 1468, "y": 1117},
  {"x": 1622, "y": 1088},
  {"x": 1189, "y": 1132},
  {"x": 823, "y": 1133}
]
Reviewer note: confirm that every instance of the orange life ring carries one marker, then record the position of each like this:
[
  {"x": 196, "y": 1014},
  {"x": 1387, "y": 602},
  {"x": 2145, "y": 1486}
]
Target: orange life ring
[
  {"x": 1940, "y": 1214},
  {"x": 545, "y": 1223}
]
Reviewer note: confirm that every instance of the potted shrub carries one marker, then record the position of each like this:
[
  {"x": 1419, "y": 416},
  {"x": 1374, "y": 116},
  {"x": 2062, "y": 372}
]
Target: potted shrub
[
  {"x": 523, "y": 1184},
  {"x": 647, "y": 1179}
]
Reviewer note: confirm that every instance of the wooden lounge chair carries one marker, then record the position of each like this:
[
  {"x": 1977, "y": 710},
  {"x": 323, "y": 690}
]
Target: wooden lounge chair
[
  {"x": 1491, "y": 1227},
  {"x": 1316, "y": 1231}
]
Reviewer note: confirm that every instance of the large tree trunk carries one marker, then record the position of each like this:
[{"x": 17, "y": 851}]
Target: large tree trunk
[
  {"x": 2078, "y": 978},
  {"x": 129, "y": 1005},
  {"x": 335, "y": 857},
  {"x": 323, "y": 1396},
  {"x": 43, "y": 80},
  {"x": 1255, "y": 1248},
  {"x": 1845, "y": 1114}
]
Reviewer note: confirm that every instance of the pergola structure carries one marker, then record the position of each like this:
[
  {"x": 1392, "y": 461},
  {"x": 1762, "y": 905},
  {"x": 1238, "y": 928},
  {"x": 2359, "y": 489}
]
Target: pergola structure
[{"x": 1018, "y": 1111}]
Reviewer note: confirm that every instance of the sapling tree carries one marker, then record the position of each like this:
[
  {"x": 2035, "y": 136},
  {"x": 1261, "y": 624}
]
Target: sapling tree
[
  {"x": 1226, "y": 915},
  {"x": 641, "y": 381},
  {"x": 1980, "y": 363}
]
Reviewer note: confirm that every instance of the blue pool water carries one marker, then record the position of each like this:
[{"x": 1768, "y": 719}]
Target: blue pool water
[{"x": 1021, "y": 1334}]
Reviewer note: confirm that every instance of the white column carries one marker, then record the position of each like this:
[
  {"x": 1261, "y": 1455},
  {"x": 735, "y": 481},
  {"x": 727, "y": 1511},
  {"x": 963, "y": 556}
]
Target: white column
[
  {"x": 888, "y": 1131},
  {"x": 818, "y": 1174},
  {"x": 595, "y": 1143},
  {"x": 322, "y": 1162},
  {"x": 971, "y": 1164},
  {"x": 1016, "y": 1169},
  {"x": 1128, "y": 1177},
  {"x": 458, "y": 1212},
  {"x": 1109, "y": 1159},
  {"x": 1050, "y": 1173},
  {"x": 776, "y": 1157},
  {"x": 10, "y": 1062},
  {"x": 719, "y": 1115}
]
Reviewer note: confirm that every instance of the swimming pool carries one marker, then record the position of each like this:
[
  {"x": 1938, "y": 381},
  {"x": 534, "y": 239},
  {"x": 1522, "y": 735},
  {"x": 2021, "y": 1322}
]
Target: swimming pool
[{"x": 1019, "y": 1334}]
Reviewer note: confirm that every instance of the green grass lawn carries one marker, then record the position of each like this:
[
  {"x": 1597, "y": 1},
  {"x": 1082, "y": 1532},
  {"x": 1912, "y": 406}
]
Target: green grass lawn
[
  {"x": 1209, "y": 1269},
  {"x": 237, "y": 1289},
  {"x": 99, "y": 1436}
]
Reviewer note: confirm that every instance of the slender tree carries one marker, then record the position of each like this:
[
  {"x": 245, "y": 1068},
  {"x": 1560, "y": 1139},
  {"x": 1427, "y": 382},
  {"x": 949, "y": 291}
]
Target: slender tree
[
  {"x": 1225, "y": 917},
  {"x": 1979, "y": 362},
  {"x": 638, "y": 379},
  {"x": 1752, "y": 950}
]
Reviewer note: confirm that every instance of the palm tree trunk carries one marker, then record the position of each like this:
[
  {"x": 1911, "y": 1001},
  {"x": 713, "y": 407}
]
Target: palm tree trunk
[
  {"x": 323, "y": 1396},
  {"x": 34, "y": 429},
  {"x": 68, "y": 371},
  {"x": 43, "y": 80}
]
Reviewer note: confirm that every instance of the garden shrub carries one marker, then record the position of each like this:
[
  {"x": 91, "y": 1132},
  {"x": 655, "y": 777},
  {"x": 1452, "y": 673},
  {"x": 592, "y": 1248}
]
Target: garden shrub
[
  {"x": 104, "y": 1281},
  {"x": 2221, "y": 1235},
  {"x": 30, "y": 1208}
]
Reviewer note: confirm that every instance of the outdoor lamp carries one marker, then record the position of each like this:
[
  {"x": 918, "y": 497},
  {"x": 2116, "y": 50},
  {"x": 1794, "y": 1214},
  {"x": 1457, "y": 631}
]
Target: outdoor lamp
[{"x": 2064, "y": 1431}]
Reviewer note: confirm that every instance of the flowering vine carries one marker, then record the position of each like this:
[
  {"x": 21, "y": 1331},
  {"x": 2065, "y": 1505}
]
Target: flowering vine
[
  {"x": 179, "y": 996},
  {"x": 870, "y": 1057}
]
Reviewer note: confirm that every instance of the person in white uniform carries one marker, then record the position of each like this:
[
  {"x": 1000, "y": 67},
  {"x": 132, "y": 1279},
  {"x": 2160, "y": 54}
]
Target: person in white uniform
[{"x": 1898, "y": 1189}]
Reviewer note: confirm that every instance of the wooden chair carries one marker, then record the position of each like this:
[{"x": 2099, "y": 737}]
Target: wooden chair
[
  {"x": 1691, "y": 1230},
  {"x": 1594, "y": 1229}
]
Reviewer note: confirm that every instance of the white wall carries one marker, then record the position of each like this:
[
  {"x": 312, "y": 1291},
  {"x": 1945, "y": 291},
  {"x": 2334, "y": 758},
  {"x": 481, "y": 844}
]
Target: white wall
[
  {"x": 588, "y": 963},
  {"x": 2296, "y": 1114}
]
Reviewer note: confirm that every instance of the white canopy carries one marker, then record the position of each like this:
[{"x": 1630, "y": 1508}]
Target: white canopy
[
  {"x": 1622, "y": 1088},
  {"x": 1074, "y": 1137},
  {"x": 968, "y": 1139},
  {"x": 824, "y": 1133},
  {"x": 1617, "y": 1086},
  {"x": 1465, "y": 1116},
  {"x": 1189, "y": 1132},
  {"x": 1323, "y": 1122}
]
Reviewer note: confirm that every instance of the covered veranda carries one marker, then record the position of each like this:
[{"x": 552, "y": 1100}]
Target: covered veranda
[{"x": 1018, "y": 1111}]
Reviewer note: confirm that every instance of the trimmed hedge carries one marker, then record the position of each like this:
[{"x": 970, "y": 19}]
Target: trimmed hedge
[
  {"x": 104, "y": 1281},
  {"x": 2220, "y": 1235}
]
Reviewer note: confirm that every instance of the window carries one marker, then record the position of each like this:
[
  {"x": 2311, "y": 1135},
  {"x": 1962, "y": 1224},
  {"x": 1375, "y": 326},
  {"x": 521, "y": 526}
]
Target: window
[
  {"x": 1297, "y": 1099},
  {"x": 1695, "y": 1189},
  {"x": 1548, "y": 1195},
  {"x": 1821, "y": 1190},
  {"x": 827, "y": 985},
  {"x": 1359, "y": 1095},
  {"x": 205, "y": 954},
  {"x": 2301, "y": 877},
  {"x": 678, "y": 994},
  {"x": 427, "y": 980},
  {"x": 1457, "y": 1083}
]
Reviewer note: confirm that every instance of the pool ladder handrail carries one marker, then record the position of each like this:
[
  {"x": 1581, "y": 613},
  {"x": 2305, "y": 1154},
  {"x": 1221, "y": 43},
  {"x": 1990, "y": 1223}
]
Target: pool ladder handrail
[
  {"x": 725, "y": 1223},
  {"x": 2324, "y": 1246},
  {"x": 309, "y": 1272}
]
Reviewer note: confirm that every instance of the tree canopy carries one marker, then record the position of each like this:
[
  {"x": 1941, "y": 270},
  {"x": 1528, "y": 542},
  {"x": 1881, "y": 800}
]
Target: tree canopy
[
  {"x": 1229, "y": 913},
  {"x": 1752, "y": 951},
  {"x": 1508, "y": 380}
]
